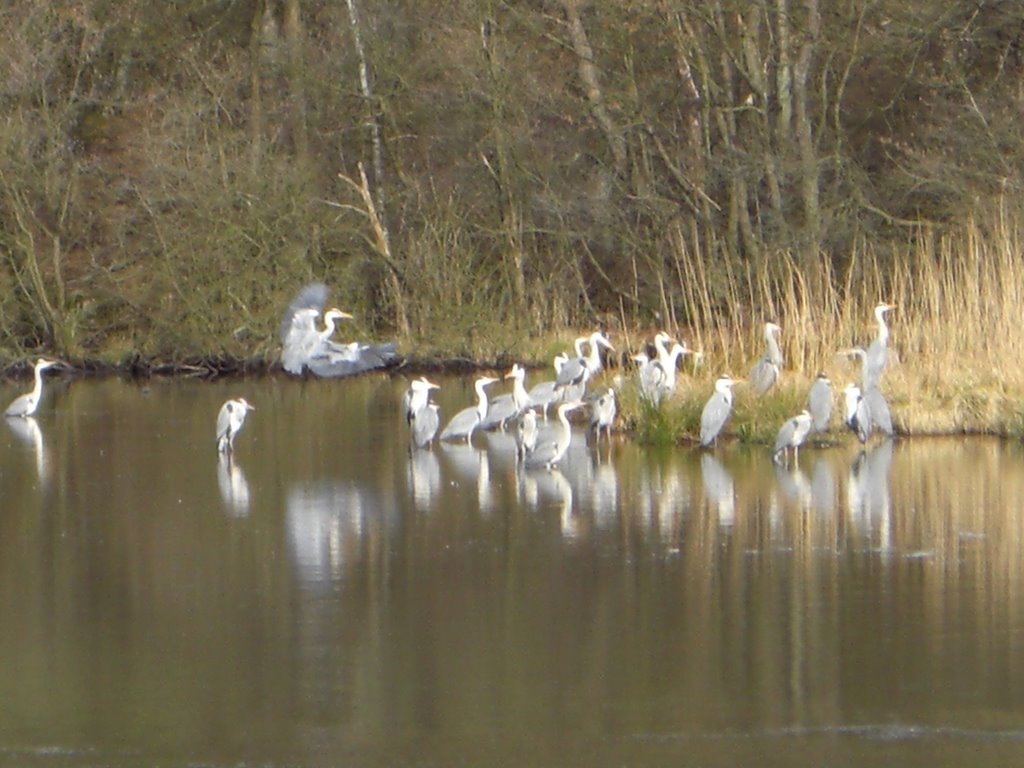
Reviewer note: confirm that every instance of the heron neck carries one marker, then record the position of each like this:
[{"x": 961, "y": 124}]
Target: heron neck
[
  {"x": 883, "y": 329},
  {"x": 519, "y": 393},
  {"x": 37, "y": 388},
  {"x": 659, "y": 344},
  {"x": 481, "y": 406},
  {"x": 774, "y": 353}
]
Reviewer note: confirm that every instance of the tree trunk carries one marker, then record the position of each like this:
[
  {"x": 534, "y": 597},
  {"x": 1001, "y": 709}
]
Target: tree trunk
[
  {"x": 256, "y": 42},
  {"x": 508, "y": 208},
  {"x": 592, "y": 83},
  {"x": 295, "y": 39},
  {"x": 809, "y": 182}
]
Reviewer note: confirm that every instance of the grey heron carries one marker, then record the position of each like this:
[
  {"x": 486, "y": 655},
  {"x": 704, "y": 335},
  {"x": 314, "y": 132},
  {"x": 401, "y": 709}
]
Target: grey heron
[
  {"x": 306, "y": 347},
  {"x": 25, "y": 405},
  {"x": 543, "y": 394},
  {"x": 650, "y": 375},
  {"x": 857, "y": 413},
  {"x": 416, "y": 397},
  {"x": 526, "y": 434},
  {"x": 766, "y": 372},
  {"x": 820, "y": 403},
  {"x": 881, "y": 418},
  {"x": 667, "y": 385},
  {"x": 230, "y": 421},
  {"x": 579, "y": 370},
  {"x": 421, "y": 415},
  {"x": 425, "y": 424},
  {"x": 716, "y": 411},
  {"x": 602, "y": 415},
  {"x": 547, "y": 453},
  {"x": 792, "y": 434},
  {"x": 507, "y": 407},
  {"x": 878, "y": 352},
  {"x": 468, "y": 419}
]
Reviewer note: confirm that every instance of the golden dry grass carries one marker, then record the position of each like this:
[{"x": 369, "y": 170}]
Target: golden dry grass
[{"x": 957, "y": 343}]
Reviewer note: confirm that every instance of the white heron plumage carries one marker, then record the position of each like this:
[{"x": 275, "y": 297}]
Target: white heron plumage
[
  {"x": 547, "y": 452},
  {"x": 26, "y": 405},
  {"x": 856, "y": 413},
  {"x": 468, "y": 419},
  {"x": 602, "y": 415},
  {"x": 716, "y": 411},
  {"x": 230, "y": 421},
  {"x": 820, "y": 403},
  {"x": 792, "y": 434},
  {"x": 304, "y": 346},
  {"x": 766, "y": 372}
]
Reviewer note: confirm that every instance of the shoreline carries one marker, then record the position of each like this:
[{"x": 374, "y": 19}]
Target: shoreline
[{"x": 754, "y": 421}]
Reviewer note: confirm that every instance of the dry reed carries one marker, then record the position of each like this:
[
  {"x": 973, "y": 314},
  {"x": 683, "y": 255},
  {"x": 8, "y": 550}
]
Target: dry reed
[{"x": 957, "y": 342}]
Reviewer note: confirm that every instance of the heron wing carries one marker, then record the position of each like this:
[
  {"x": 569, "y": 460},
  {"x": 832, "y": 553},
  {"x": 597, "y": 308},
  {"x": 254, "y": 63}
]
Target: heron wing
[
  {"x": 764, "y": 375},
  {"x": 713, "y": 418},
  {"x": 424, "y": 425},
  {"x": 463, "y": 423},
  {"x": 880, "y": 415},
  {"x": 312, "y": 296},
  {"x": 820, "y": 402},
  {"x": 22, "y": 405}
]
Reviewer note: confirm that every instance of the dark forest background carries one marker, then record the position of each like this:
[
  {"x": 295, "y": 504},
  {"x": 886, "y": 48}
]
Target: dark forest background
[{"x": 172, "y": 172}]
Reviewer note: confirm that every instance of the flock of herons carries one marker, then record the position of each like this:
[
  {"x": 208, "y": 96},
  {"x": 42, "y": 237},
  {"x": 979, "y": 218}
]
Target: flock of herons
[
  {"x": 865, "y": 407},
  {"x": 307, "y": 347}
]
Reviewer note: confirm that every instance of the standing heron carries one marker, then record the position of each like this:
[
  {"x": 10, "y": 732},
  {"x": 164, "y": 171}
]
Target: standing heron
[
  {"x": 792, "y": 434},
  {"x": 881, "y": 417},
  {"x": 667, "y": 385},
  {"x": 417, "y": 397},
  {"x": 526, "y": 434},
  {"x": 820, "y": 403},
  {"x": 507, "y": 407},
  {"x": 602, "y": 415},
  {"x": 25, "y": 405},
  {"x": 468, "y": 419},
  {"x": 716, "y": 411},
  {"x": 547, "y": 453},
  {"x": 878, "y": 352},
  {"x": 424, "y": 425},
  {"x": 857, "y": 413},
  {"x": 579, "y": 370},
  {"x": 422, "y": 416},
  {"x": 230, "y": 421},
  {"x": 650, "y": 375},
  {"x": 766, "y": 372},
  {"x": 543, "y": 394}
]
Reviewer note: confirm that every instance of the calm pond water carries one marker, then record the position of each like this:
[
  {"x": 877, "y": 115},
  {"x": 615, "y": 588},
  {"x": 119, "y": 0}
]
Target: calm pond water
[{"x": 329, "y": 599}]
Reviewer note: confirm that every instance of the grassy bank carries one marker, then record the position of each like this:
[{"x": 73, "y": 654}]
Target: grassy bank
[
  {"x": 956, "y": 345},
  {"x": 957, "y": 342}
]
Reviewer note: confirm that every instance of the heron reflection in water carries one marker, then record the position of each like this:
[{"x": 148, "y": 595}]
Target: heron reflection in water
[
  {"x": 233, "y": 487},
  {"x": 719, "y": 489},
  {"x": 470, "y": 466},
  {"x": 28, "y": 432},
  {"x": 424, "y": 474},
  {"x": 868, "y": 498},
  {"x": 327, "y": 524}
]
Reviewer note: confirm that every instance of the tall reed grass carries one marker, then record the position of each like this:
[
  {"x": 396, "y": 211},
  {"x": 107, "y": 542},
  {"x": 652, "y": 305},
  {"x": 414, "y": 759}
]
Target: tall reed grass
[{"x": 957, "y": 334}]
